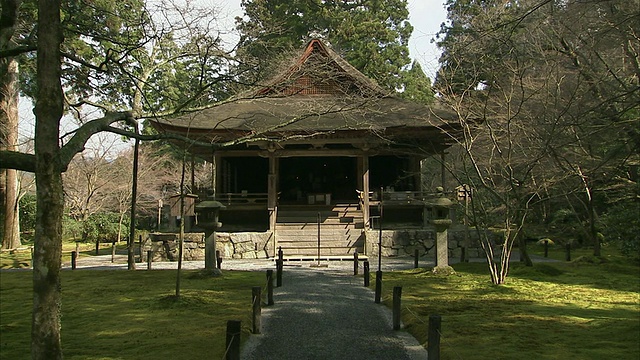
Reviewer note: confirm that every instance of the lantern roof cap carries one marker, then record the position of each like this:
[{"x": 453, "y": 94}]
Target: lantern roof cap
[{"x": 210, "y": 204}]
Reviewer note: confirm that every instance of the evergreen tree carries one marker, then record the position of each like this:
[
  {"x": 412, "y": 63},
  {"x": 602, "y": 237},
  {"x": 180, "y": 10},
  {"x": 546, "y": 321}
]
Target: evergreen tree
[
  {"x": 417, "y": 86},
  {"x": 371, "y": 35}
]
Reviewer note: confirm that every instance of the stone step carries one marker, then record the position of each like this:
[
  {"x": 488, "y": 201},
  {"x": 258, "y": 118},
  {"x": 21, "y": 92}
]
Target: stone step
[
  {"x": 313, "y": 231},
  {"x": 329, "y": 221},
  {"x": 313, "y": 246},
  {"x": 310, "y": 258},
  {"x": 309, "y": 251},
  {"x": 314, "y": 226},
  {"x": 324, "y": 239}
]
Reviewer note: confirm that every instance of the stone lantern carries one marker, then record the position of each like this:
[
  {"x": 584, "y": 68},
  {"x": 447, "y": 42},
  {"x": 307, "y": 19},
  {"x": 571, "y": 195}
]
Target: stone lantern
[
  {"x": 441, "y": 221},
  {"x": 208, "y": 214}
]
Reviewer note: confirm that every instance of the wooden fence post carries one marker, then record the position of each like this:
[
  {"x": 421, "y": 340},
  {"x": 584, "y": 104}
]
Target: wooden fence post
[
  {"x": 416, "y": 258},
  {"x": 74, "y": 259},
  {"x": 378, "y": 286},
  {"x": 233, "y": 340},
  {"x": 397, "y": 307},
  {"x": 113, "y": 251},
  {"x": 139, "y": 249},
  {"x": 149, "y": 259},
  {"x": 433, "y": 337},
  {"x": 279, "y": 266},
  {"x": 546, "y": 248},
  {"x": 256, "y": 292},
  {"x": 355, "y": 262},
  {"x": 269, "y": 287},
  {"x": 366, "y": 273}
]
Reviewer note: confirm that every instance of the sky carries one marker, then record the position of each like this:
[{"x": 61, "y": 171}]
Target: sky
[{"x": 424, "y": 15}]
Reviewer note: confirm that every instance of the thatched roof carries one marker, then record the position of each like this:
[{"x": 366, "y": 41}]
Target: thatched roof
[{"x": 320, "y": 92}]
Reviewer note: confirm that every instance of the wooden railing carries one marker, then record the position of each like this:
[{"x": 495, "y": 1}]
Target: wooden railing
[
  {"x": 398, "y": 197},
  {"x": 242, "y": 198}
]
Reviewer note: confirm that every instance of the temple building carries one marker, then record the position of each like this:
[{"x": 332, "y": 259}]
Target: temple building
[{"x": 315, "y": 150}]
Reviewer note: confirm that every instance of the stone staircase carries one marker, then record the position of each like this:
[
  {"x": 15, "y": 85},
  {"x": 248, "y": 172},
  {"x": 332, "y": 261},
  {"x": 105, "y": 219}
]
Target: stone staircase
[{"x": 341, "y": 228}]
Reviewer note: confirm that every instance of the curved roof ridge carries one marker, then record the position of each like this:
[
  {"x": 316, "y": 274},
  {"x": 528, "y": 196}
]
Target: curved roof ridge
[{"x": 365, "y": 85}]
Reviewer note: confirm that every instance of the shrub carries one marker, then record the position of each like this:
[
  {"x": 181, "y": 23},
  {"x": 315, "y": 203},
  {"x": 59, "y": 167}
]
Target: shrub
[
  {"x": 28, "y": 212},
  {"x": 101, "y": 227},
  {"x": 622, "y": 226}
]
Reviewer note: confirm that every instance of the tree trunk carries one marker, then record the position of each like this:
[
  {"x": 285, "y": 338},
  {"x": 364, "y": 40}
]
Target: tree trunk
[
  {"x": 120, "y": 221},
  {"x": 131, "y": 256},
  {"x": 9, "y": 141},
  {"x": 181, "y": 236},
  {"x": 593, "y": 233},
  {"x": 45, "y": 325}
]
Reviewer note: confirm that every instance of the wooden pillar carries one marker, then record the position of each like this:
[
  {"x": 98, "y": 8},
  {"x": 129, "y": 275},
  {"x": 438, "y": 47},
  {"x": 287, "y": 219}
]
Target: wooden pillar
[
  {"x": 443, "y": 169},
  {"x": 416, "y": 172},
  {"x": 216, "y": 175},
  {"x": 359, "y": 172},
  {"x": 365, "y": 189},
  {"x": 193, "y": 174},
  {"x": 272, "y": 197}
]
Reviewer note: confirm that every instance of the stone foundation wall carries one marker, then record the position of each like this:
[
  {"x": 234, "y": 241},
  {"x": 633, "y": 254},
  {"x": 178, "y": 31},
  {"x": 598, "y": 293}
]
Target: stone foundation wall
[
  {"x": 248, "y": 245},
  {"x": 398, "y": 243},
  {"x": 251, "y": 245},
  {"x": 259, "y": 245}
]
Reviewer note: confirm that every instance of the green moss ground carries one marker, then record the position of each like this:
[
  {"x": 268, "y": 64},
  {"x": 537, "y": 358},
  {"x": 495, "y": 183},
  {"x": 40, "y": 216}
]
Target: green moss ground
[
  {"x": 585, "y": 309},
  {"x": 576, "y": 310},
  {"x": 132, "y": 314}
]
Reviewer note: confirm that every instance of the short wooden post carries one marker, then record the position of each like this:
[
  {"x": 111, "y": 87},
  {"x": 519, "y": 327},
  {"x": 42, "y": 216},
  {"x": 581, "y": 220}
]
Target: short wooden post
[
  {"x": 378, "y": 286},
  {"x": 149, "y": 259},
  {"x": 280, "y": 253},
  {"x": 256, "y": 292},
  {"x": 366, "y": 273},
  {"x": 397, "y": 307},
  {"x": 433, "y": 337},
  {"x": 218, "y": 259},
  {"x": 269, "y": 287},
  {"x": 546, "y": 248},
  {"x": 279, "y": 273},
  {"x": 568, "y": 254},
  {"x": 113, "y": 251},
  {"x": 233, "y": 340},
  {"x": 355, "y": 263},
  {"x": 97, "y": 247},
  {"x": 416, "y": 258},
  {"x": 74, "y": 259}
]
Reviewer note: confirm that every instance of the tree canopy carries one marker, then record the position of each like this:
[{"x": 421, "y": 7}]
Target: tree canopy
[{"x": 549, "y": 92}]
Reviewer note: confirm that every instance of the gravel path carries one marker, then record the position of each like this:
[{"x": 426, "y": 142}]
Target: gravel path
[{"x": 327, "y": 313}]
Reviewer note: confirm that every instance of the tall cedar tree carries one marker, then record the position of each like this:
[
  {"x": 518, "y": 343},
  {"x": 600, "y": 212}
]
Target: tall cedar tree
[{"x": 372, "y": 35}]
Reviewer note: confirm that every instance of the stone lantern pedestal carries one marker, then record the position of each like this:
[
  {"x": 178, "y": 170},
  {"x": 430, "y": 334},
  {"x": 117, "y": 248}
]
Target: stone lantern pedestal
[
  {"x": 441, "y": 221},
  {"x": 208, "y": 214},
  {"x": 442, "y": 241}
]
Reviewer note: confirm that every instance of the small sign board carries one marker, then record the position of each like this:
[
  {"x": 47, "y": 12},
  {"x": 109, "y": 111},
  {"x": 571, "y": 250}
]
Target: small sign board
[{"x": 464, "y": 192}]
